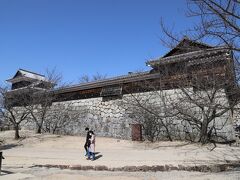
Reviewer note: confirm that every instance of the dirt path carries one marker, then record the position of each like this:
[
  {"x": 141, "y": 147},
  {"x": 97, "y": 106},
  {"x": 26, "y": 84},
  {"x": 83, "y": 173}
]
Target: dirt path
[
  {"x": 51, "y": 174},
  {"x": 68, "y": 150}
]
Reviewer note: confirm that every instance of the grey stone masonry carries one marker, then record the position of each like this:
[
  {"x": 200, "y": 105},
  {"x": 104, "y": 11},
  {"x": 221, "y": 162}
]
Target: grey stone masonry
[{"x": 113, "y": 117}]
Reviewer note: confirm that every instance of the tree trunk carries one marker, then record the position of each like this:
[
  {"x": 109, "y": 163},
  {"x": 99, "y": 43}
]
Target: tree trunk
[
  {"x": 203, "y": 133},
  {"x": 16, "y": 128},
  {"x": 168, "y": 133},
  {"x": 39, "y": 130}
]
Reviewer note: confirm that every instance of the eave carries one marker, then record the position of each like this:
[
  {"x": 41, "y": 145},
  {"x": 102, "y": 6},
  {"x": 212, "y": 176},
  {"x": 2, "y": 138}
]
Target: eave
[
  {"x": 18, "y": 79},
  {"x": 108, "y": 82},
  {"x": 188, "y": 56}
]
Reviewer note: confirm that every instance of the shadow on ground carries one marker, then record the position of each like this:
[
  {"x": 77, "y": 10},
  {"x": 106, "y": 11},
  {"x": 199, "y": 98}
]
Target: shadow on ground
[
  {"x": 8, "y": 146},
  {"x": 176, "y": 145},
  {"x": 98, "y": 156},
  {"x": 4, "y": 172}
]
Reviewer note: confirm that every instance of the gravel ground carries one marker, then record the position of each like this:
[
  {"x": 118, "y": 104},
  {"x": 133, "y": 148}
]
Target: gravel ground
[
  {"x": 22, "y": 155},
  {"x": 53, "y": 173}
]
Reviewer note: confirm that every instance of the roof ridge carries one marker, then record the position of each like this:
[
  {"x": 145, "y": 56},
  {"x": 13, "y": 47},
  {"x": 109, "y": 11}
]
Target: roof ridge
[
  {"x": 109, "y": 79},
  {"x": 186, "y": 54},
  {"x": 31, "y": 72},
  {"x": 197, "y": 42},
  {"x": 186, "y": 38}
]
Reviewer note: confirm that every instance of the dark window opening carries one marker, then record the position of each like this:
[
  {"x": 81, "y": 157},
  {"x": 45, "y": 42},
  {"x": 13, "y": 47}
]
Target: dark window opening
[{"x": 111, "y": 93}]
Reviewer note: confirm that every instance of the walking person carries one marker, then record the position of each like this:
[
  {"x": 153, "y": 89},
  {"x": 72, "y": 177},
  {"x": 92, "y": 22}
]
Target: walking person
[
  {"x": 91, "y": 149},
  {"x": 87, "y": 143}
]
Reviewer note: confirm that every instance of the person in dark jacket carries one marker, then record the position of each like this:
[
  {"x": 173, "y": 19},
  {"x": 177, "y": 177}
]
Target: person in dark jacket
[{"x": 87, "y": 143}]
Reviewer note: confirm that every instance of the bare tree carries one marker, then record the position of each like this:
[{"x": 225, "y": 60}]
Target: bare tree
[
  {"x": 204, "y": 104},
  {"x": 40, "y": 102},
  {"x": 32, "y": 102},
  {"x": 193, "y": 98},
  {"x": 60, "y": 117},
  {"x": 12, "y": 108},
  {"x": 84, "y": 79},
  {"x": 150, "y": 110},
  {"x": 218, "y": 21},
  {"x": 154, "y": 122},
  {"x": 95, "y": 77},
  {"x": 38, "y": 107}
]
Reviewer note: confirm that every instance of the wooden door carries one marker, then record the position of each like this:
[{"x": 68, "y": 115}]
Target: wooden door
[{"x": 136, "y": 132}]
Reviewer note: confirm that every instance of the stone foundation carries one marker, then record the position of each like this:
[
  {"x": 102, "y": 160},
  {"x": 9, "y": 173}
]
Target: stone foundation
[{"x": 113, "y": 117}]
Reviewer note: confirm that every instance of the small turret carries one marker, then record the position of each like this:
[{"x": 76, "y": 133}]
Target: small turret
[{"x": 24, "y": 78}]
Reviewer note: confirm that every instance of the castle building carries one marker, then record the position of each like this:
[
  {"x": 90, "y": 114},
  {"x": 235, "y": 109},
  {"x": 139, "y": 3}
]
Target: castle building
[{"x": 189, "y": 65}]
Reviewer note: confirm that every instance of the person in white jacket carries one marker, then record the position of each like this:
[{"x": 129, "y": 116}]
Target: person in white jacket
[{"x": 91, "y": 149}]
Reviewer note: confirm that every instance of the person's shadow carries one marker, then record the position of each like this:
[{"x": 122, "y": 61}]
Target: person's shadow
[{"x": 98, "y": 155}]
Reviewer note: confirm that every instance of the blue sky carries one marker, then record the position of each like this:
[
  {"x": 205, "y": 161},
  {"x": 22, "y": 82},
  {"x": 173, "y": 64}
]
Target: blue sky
[{"x": 80, "y": 37}]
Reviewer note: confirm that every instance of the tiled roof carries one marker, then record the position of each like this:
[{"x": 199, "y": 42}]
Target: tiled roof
[
  {"x": 201, "y": 54},
  {"x": 32, "y": 75},
  {"x": 195, "y": 57},
  {"x": 108, "y": 82},
  {"x": 21, "y": 73}
]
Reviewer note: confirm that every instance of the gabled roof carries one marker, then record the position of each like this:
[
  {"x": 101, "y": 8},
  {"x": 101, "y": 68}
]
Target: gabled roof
[
  {"x": 208, "y": 55},
  {"x": 185, "y": 46},
  {"x": 188, "y": 50},
  {"x": 26, "y": 75}
]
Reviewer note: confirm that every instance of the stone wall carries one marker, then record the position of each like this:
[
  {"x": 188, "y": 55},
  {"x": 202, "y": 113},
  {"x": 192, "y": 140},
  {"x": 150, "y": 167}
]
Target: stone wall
[
  {"x": 113, "y": 117},
  {"x": 105, "y": 118}
]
